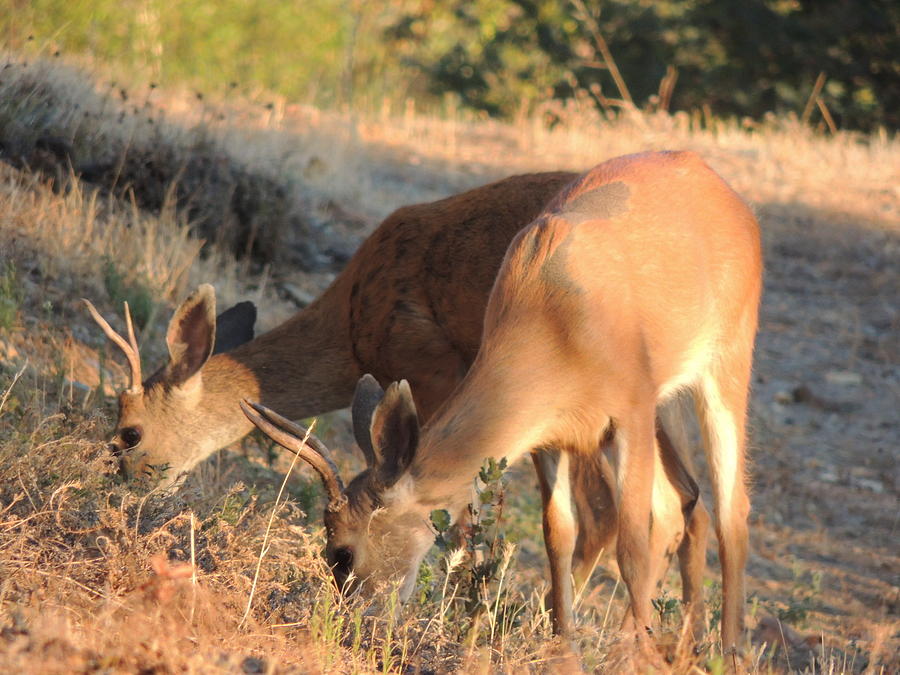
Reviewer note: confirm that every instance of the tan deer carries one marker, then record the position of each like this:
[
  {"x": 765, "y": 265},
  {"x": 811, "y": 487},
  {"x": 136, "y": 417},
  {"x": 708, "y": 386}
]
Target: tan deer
[
  {"x": 641, "y": 279},
  {"x": 574, "y": 536},
  {"x": 410, "y": 304}
]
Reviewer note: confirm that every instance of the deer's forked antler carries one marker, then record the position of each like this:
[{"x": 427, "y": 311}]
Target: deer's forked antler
[
  {"x": 130, "y": 347},
  {"x": 291, "y": 437}
]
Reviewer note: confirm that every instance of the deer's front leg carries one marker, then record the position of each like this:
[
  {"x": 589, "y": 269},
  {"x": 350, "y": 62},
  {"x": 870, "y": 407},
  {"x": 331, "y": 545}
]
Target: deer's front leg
[
  {"x": 593, "y": 482},
  {"x": 559, "y": 534}
]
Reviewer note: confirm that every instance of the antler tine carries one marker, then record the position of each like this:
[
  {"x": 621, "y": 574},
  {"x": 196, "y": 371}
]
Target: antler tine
[
  {"x": 136, "y": 363},
  {"x": 131, "y": 351},
  {"x": 290, "y": 436}
]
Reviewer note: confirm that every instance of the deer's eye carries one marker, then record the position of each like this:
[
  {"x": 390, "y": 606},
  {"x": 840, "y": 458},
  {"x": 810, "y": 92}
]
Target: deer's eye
[
  {"x": 131, "y": 436},
  {"x": 343, "y": 559}
]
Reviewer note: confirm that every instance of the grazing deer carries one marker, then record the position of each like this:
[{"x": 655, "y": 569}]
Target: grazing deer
[
  {"x": 410, "y": 304},
  {"x": 642, "y": 278},
  {"x": 574, "y": 536}
]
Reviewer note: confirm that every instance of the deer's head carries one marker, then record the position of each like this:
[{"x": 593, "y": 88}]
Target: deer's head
[
  {"x": 161, "y": 432},
  {"x": 375, "y": 529}
]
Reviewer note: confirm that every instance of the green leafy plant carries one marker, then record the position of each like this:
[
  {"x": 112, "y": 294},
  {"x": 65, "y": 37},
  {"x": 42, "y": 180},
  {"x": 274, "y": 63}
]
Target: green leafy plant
[
  {"x": 327, "y": 623},
  {"x": 10, "y": 296},
  {"x": 804, "y": 597},
  {"x": 236, "y": 503},
  {"x": 137, "y": 294},
  {"x": 668, "y": 609},
  {"x": 477, "y": 557},
  {"x": 714, "y": 603}
]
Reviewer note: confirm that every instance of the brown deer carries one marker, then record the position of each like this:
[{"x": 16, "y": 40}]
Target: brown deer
[
  {"x": 410, "y": 304},
  {"x": 642, "y": 278}
]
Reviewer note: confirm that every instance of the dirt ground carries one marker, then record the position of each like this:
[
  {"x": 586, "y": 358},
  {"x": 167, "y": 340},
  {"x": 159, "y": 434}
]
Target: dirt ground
[{"x": 825, "y": 417}]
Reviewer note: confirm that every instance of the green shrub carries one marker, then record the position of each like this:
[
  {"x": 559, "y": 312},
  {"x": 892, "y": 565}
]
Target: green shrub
[
  {"x": 138, "y": 295},
  {"x": 10, "y": 296}
]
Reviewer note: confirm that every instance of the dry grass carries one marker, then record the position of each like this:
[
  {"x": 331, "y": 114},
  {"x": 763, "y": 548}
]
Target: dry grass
[
  {"x": 55, "y": 120},
  {"x": 97, "y": 577},
  {"x": 776, "y": 162}
]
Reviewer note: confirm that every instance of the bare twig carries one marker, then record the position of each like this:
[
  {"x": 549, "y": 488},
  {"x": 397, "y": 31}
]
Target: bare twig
[
  {"x": 813, "y": 97},
  {"x": 193, "y": 571},
  {"x": 11, "y": 524},
  {"x": 137, "y": 517},
  {"x": 826, "y": 115},
  {"x": 80, "y": 585},
  {"x": 609, "y": 605},
  {"x": 666, "y": 87},
  {"x": 13, "y": 384},
  {"x": 607, "y": 104},
  {"x": 591, "y": 21},
  {"x": 14, "y": 501},
  {"x": 579, "y": 591}
]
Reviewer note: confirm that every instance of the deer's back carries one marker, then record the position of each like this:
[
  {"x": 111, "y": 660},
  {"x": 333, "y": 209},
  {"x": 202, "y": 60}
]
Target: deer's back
[
  {"x": 641, "y": 264},
  {"x": 420, "y": 283}
]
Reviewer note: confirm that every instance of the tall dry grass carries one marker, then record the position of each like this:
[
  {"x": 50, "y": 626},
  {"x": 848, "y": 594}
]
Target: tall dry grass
[
  {"x": 776, "y": 161},
  {"x": 54, "y": 119}
]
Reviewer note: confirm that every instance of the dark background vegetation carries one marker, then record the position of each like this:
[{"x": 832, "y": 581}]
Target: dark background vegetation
[{"x": 818, "y": 59}]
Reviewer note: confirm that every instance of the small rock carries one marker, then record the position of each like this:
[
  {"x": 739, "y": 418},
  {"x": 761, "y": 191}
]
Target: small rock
[
  {"x": 253, "y": 664},
  {"x": 784, "y": 643},
  {"x": 297, "y": 295},
  {"x": 844, "y": 378},
  {"x": 869, "y": 484},
  {"x": 828, "y": 476},
  {"x": 805, "y": 395},
  {"x": 784, "y": 397},
  {"x": 801, "y": 394}
]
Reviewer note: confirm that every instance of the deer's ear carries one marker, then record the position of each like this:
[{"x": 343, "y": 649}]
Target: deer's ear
[
  {"x": 394, "y": 431},
  {"x": 191, "y": 335},
  {"x": 365, "y": 400},
  {"x": 234, "y": 326}
]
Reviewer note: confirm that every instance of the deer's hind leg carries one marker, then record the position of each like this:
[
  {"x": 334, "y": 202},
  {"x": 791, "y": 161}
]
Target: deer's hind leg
[
  {"x": 721, "y": 400},
  {"x": 592, "y": 481},
  {"x": 695, "y": 525},
  {"x": 692, "y": 562}
]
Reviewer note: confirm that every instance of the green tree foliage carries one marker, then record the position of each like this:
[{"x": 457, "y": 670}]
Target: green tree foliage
[
  {"x": 502, "y": 56},
  {"x": 738, "y": 58},
  {"x": 279, "y": 45}
]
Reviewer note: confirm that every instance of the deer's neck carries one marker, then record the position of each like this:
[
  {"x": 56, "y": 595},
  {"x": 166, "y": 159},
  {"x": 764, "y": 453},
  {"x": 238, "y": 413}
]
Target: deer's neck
[
  {"x": 304, "y": 367},
  {"x": 493, "y": 414}
]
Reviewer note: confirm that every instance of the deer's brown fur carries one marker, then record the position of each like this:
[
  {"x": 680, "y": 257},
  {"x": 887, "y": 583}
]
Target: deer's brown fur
[{"x": 410, "y": 303}]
